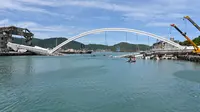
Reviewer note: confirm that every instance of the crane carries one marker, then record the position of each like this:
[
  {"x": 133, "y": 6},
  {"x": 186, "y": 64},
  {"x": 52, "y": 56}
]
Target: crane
[
  {"x": 189, "y": 19},
  {"x": 196, "y": 48}
]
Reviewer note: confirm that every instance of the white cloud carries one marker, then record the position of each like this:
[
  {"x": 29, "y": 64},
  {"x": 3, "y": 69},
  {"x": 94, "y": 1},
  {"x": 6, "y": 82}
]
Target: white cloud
[
  {"x": 69, "y": 18},
  {"x": 14, "y": 5},
  {"x": 158, "y": 24},
  {"x": 38, "y": 27},
  {"x": 102, "y": 18},
  {"x": 45, "y": 31},
  {"x": 4, "y": 22},
  {"x": 154, "y": 10},
  {"x": 39, "y": 2},
  {"x": 101, "y": 5},
  {"x": 154, "y": 13},
  {"x": 151, "y": 10},
  {"x": 86, "y": 3}
]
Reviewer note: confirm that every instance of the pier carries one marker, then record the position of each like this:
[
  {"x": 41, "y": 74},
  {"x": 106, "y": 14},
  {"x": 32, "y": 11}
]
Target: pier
[{"x": 175, "y": 55}]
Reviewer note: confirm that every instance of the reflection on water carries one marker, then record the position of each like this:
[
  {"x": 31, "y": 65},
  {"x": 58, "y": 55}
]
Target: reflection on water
[
  {"x": 10, "y": 66},
  {"x": 5, "y": 67},
  {"x": 82, "y": 83},
  {"x": 191, "y": 75}
]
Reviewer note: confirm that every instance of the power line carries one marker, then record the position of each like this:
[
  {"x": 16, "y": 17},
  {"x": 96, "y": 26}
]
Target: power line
[{"x": 106, "y": 38}]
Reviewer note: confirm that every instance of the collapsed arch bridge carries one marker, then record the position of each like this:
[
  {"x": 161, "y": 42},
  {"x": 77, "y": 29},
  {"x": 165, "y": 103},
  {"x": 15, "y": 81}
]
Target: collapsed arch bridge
[{"x": 116, "y": 29}]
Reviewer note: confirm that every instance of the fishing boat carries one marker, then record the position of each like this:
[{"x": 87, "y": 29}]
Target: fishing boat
[{"x": 132, "y": 59}]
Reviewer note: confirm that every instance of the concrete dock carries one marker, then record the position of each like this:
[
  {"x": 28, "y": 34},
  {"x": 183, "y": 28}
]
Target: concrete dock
[
  {"x": 181, "y": 55},
  {"x": 186, "y": 55}
]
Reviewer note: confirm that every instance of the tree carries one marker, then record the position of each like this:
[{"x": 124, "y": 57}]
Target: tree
[{"x": 195, "y": 40}]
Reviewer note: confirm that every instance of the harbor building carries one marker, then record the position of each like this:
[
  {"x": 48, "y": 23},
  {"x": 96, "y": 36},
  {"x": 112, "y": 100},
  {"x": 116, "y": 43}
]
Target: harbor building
[{"x": 164, "y": 45}]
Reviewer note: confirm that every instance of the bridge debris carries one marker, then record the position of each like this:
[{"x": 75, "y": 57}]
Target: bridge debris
[
  {"x": 6, "y": 35},
  {"x": 36, "y": 49}
]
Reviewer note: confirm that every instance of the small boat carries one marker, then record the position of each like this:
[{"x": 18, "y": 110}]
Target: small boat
[{"x": 131, "y": 59}]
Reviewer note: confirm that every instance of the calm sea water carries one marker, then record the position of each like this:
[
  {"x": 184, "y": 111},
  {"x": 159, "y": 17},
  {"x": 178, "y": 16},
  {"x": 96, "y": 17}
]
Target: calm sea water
[{"x": 83, "y": 83}]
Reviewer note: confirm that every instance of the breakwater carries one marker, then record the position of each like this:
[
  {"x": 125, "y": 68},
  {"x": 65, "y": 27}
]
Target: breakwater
[
  {"x": 192, "y": 58},
  {"x": 175, "y": 55}
]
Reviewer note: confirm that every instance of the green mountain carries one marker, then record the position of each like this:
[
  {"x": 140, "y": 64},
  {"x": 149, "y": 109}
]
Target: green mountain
[
  {"x": 52, "y": 42},
  {"x": 127, "y": 47},
  {"x": 195, "y": 40},
  {"x": 96, "y": 47},
  {"x": 123, "y": 46}
]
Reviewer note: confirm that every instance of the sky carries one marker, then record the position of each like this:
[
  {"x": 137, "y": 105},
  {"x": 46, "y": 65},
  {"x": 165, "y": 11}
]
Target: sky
[{"x": 67, "y": 18}]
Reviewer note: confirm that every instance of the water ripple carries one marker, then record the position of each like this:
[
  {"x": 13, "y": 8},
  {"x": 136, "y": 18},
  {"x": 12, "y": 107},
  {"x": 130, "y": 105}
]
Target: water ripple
[{"x": 190, "y": 75}]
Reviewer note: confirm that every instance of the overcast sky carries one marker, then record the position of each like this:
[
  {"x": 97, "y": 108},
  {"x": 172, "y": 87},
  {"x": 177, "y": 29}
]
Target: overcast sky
[{"x": 66, "y": 18}]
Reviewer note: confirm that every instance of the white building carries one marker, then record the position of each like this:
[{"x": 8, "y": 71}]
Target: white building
[{"x": 164, "y": 45}]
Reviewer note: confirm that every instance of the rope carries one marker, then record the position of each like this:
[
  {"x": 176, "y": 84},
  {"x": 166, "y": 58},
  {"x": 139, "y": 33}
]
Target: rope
[
  {"x": 148, "y": 43},
  {"x": 136, "y": 36},
  {"x": 106, "y": 38},
  {"x": 126, "y": 36},
  {"x": 185, "y": 23},
  {"x": 106, "y": 43},
  {"x": 137, "y": 49},
  {"x": 170, "y": 32},
  {"x": 22, "y": 39}
]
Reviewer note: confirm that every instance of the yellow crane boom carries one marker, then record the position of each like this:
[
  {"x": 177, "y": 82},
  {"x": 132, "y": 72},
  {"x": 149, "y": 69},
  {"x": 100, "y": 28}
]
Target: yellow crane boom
[
  {"x": 189, "y": 19},
  {"x": 196, "y": 48}
]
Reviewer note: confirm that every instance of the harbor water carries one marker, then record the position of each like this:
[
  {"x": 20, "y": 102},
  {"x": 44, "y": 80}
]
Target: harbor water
[{"x": 97, "y": 83}]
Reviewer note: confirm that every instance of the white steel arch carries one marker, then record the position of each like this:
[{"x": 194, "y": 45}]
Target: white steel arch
[{"x": 116, "y": 29}]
